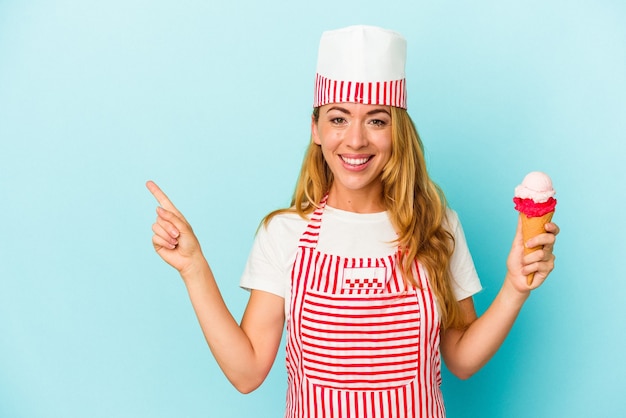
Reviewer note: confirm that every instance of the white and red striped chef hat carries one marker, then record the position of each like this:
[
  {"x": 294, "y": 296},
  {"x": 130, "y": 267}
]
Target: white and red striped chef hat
[{"x": 361, "y": 64}]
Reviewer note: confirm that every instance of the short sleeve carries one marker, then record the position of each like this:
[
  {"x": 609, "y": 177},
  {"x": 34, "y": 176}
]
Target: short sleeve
[
  {"x": 272, "y": 255},
  {"x": 465, "y": 281}
]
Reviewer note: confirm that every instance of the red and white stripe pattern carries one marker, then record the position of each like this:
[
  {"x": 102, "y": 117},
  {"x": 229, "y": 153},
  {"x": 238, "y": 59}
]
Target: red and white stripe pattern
[
  {"x": 348, "y": 342},
  {"x": 387, "y": 93},
  {"x": 367, "y": 352}
]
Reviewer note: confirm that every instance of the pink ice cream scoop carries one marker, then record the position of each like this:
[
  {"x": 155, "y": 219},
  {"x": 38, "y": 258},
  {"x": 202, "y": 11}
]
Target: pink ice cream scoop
[{"x": 535, "y": 196}]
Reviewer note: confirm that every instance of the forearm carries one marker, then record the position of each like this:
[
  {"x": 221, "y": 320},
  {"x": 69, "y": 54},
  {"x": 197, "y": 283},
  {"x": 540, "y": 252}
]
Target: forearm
[
  {"x": 228, "y": 342},
  {"x": 467, "y": 351}
]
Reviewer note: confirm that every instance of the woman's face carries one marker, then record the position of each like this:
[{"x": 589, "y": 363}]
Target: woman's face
[{"x": 356, "y": 142}]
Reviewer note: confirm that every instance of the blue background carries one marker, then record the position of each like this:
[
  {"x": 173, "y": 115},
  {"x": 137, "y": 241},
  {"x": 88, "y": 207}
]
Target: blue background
[{"x": 212, "y": 100}]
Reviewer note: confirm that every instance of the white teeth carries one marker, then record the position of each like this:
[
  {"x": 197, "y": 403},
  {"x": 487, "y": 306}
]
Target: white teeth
[{"x": 355, "y": 161}]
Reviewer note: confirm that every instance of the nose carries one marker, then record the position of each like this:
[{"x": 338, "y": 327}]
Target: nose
[{"x": 356, "y": 136}]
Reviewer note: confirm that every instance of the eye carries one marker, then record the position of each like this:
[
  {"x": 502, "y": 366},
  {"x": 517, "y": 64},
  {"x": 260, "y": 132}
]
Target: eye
[
  {"x": 378, "y": 122},
  {"x": 338, "y": 121}
]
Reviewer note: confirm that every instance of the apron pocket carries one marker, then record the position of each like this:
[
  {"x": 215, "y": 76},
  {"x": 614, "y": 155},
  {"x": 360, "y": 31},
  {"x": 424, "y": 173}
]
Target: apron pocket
[{"x": 360, "y": 342}]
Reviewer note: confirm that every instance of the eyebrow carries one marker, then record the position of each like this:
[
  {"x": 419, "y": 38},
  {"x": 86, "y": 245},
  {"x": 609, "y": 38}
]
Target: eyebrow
[{"x": 370, "y": 113}]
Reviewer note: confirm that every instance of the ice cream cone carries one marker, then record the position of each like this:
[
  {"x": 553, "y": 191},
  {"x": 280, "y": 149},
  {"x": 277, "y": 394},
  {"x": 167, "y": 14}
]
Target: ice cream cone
[{"x": 531, "y": 227}]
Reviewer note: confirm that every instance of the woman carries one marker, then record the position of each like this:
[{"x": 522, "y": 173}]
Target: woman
[{"x": 368, "y": 267}]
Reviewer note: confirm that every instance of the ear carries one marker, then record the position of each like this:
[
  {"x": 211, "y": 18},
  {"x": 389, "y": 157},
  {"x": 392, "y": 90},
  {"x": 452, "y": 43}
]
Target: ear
[{"x": 314, "y": 132}]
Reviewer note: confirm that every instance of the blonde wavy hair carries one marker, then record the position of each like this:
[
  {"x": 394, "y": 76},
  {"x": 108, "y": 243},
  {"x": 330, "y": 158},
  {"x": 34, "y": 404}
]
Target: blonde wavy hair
[{"x": 415, "y": 204}]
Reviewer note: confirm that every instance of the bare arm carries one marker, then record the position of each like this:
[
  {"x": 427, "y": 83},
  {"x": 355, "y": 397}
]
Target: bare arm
[
  {"x": 244, "y": 352},
  {"x": 466, "y": 350}
]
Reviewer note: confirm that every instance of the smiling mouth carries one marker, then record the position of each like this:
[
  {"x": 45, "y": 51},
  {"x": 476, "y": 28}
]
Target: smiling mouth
[{"x": 355, "y": 161}]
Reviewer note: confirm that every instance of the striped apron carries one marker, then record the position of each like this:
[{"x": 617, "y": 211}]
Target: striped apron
[{"x": 360, "y": 342}]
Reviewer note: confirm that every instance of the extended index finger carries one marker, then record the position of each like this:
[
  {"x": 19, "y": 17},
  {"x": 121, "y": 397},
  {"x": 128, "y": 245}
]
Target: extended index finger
[{"x": 162, "y": 198}]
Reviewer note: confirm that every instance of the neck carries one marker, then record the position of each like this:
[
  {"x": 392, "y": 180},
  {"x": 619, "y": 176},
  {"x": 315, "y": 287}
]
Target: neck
[{"x": 356, "y": 201}]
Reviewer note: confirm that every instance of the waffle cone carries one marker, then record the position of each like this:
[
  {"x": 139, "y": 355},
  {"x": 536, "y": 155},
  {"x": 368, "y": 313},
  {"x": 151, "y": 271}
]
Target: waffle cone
[{"x": 532, "y": 227}]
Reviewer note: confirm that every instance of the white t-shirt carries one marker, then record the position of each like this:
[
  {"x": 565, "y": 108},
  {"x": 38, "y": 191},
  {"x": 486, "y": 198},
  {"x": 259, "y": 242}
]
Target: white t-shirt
[{"x": 348, "y": 234}]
